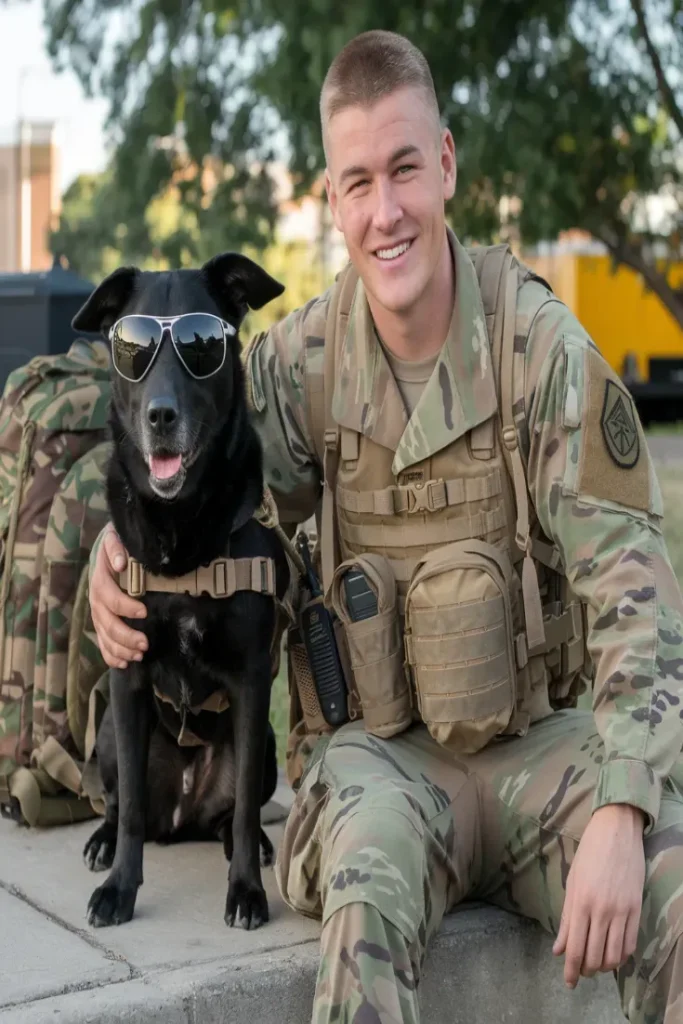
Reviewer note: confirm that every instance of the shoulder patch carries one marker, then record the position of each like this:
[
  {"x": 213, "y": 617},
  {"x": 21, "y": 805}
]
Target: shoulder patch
[
  {"x": 618, "y": 422},
  {"x": 613, "y": 463}
]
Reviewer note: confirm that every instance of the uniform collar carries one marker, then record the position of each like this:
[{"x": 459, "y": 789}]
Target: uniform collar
[{"x": 459, "y": 395}]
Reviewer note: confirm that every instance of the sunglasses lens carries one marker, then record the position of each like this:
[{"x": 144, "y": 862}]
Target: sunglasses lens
[
  {"x": 134, "y": 342},
  {"x": 200, "y": 343}
]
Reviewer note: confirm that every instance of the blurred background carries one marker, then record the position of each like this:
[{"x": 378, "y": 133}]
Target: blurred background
[{"x": 160, "y": 132}]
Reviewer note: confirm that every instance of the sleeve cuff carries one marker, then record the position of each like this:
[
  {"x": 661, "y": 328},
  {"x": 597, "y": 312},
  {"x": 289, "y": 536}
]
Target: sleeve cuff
[{"x": 629, "y": 782}]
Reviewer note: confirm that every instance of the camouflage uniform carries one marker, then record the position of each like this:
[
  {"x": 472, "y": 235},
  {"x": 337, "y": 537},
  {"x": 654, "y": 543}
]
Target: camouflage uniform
[{"x": 386, "y": 836}]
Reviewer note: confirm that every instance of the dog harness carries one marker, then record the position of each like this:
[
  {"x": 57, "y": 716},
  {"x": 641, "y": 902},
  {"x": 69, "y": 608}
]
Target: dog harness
[{"x": 220, "y": 578}]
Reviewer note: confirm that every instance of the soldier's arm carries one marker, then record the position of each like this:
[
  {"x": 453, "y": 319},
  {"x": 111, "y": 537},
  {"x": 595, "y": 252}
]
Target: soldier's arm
[
  {"x": 275, "y": 366},
  {"x": 594, "y": 487}
]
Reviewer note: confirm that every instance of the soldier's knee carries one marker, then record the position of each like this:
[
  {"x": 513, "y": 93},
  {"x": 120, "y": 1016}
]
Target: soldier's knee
[
  {"x": 378, "y": 824},
  {"x": 374, "y": 853}
]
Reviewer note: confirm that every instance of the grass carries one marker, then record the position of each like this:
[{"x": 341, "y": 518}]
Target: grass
[
  {"x": 665, "y": 428},
  {"x": 279, "y": 709}
]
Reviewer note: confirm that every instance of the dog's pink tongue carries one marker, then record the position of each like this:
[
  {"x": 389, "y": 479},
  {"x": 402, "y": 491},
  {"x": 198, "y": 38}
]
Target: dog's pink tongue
[{"x": 164, "y": 467}]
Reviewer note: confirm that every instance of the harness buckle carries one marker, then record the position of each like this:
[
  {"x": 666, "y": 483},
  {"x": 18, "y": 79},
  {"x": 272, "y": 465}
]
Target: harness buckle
[
  {"x": 263, "y": 575},
  {"x": 135, "y": 578},
  {"x": 219, "y": 578}
]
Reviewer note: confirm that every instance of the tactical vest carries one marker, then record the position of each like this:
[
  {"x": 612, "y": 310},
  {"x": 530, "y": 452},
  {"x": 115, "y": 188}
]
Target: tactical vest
[{"x": 476, "y": 631}]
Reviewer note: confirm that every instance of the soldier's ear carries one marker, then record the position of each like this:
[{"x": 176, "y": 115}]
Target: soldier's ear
[{"x": 105, "y": 304}]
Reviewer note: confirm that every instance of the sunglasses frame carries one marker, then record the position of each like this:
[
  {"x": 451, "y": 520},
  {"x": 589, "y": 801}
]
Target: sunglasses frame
[{"x": 166, "y": 324}]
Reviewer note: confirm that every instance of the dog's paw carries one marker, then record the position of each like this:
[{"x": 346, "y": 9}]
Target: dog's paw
[
  {"x": 98, "y": 852},
  {"x": 246, "y": 906},
  {"x": 112, "y": 903},
  {"x": 267, "y": 851}
]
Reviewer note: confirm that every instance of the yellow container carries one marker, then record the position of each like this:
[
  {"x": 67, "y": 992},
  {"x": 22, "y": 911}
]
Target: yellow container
[{"x": 615, "y": 307}]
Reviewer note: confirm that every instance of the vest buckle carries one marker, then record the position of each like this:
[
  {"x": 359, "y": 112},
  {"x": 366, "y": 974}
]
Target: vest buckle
[{"x": 428, "y": 497}]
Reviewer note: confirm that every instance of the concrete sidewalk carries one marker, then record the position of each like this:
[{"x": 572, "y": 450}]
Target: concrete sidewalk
[{"x": 177, "y": 963}]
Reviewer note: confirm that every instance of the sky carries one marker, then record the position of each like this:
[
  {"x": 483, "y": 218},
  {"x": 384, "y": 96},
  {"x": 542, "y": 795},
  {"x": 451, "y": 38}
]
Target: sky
[{"x": 29, "y": 85}]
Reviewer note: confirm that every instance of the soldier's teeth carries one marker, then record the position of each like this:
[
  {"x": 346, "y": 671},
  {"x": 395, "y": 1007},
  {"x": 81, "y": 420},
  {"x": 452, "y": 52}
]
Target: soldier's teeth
[{"x": 391, "y": 254}]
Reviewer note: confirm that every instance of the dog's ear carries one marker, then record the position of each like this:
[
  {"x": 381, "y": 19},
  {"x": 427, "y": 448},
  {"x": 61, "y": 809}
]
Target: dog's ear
[
  {"x": 236, "y": 280},
  {"x": 103, "y": 306}
]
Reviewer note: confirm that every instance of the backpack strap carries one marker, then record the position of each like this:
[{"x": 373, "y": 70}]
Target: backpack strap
[
  {"x": 489, "y": 263},
  {"x": 533, "y": 611},
  {"x": 497, "y": 273},
  {"x": 341, "y": 297},
  {"x": 336, "y": 321}
]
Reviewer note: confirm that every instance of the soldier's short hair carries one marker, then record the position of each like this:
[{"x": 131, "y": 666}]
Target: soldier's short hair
[{"x": 371, "y": 66}]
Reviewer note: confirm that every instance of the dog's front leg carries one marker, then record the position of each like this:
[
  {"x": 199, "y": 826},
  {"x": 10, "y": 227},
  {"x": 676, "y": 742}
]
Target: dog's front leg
[
  {"x": 246, "y": 904},
  {"x": 114, "y": 901}
]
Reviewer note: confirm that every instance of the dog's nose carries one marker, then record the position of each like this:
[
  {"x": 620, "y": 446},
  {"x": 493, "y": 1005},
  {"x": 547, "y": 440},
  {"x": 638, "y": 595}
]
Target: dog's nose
[{"x": 162, "y": 412}]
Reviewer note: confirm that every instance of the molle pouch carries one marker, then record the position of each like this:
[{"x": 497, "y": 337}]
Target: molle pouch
[
  {"x": 460, "y": 643},
  {"x": 363, "y": 596}
]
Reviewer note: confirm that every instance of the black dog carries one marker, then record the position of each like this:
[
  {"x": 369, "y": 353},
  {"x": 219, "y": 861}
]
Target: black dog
[
  {"x": 190, "y": 792},
  {"x": 183, "y": 483}
]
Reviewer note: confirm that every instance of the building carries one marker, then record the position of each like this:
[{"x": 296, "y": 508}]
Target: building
[{"x": 29, "y": 196}]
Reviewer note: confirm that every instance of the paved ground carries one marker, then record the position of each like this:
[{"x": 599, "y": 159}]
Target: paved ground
[
  {"x": 666, "y": 448},
  {"x": 177, "y": 963}
]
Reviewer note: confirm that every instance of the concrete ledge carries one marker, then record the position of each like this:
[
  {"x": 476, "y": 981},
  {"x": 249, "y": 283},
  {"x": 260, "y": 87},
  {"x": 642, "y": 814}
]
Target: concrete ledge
[
  {"x": 485, "y": 966},
  {"x": 177, "y": 963}
]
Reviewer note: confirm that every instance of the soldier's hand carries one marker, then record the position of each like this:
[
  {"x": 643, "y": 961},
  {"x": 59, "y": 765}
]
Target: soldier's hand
[
  {"x": 118, "y": 643},
  {"x": 602, "y": 907}
]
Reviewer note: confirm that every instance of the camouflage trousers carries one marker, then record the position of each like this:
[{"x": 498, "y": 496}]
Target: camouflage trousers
[{"x": 386, "y": 836}]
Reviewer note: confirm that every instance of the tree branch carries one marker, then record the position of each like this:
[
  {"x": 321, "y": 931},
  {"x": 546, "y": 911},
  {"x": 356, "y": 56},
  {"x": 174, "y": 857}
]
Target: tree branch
[
  {"x": 630, "y": 256},
  {"x": 664, "y": 87}
]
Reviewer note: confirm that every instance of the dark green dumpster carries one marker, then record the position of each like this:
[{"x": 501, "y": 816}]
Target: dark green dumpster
[{"x": 36, "y": 309}]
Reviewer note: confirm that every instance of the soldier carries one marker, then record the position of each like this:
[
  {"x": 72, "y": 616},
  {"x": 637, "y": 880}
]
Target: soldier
[{"x": 483, "y": 780}]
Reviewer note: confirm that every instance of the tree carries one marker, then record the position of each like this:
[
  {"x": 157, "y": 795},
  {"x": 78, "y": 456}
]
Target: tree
[
  {"x": 570, "y": 110},
  {"x": 95, "y": 243},
  {"x": 102, "y": 225}
]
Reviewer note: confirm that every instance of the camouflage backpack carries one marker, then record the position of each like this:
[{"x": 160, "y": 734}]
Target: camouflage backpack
[{"x": 53, "y": 452}]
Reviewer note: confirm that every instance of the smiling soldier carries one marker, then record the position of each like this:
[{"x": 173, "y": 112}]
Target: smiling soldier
[{"x": 487, "y": 488}]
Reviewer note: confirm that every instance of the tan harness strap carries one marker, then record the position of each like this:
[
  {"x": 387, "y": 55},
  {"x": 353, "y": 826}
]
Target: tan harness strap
[
  {"x": 220, "y": 578},
  {"x": 411, "y": 534},
  {"x": 430, "y": 496}
]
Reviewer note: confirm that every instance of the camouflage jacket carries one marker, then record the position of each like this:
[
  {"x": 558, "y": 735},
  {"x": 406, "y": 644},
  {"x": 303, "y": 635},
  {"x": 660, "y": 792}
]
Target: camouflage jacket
[{"x": 591, "y": 482}]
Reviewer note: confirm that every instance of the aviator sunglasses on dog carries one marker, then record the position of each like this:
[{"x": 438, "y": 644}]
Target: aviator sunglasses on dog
[{"x": 199, "y": 340}]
